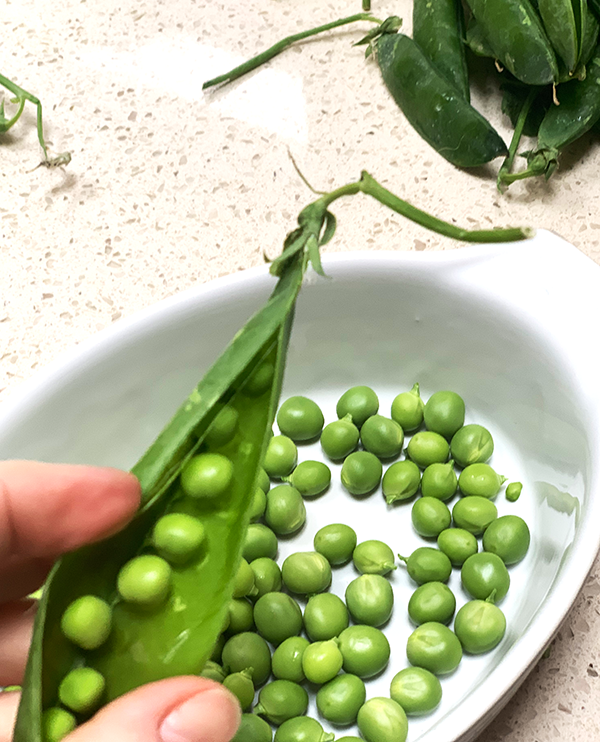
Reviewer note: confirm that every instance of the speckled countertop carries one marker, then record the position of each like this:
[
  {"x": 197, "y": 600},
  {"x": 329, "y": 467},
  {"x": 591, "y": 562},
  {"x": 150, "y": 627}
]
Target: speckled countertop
[{"x": 170, "y": 187}]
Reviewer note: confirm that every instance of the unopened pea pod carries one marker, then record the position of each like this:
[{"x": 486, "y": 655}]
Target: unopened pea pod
[
  {"x": 564, "y": 23},
  {"x": 515, "y": 33},
  {"x": 433, "y": 106},
  {"x": 439, "y": 29},
  {"x": 590, "y": 39},
  {"x": 151, "y": 639},
  {"x": 577, "y": 113}
]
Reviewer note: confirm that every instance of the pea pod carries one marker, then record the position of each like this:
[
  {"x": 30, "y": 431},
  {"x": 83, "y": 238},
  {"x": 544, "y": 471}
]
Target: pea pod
[
  {"x": 476, "y": 41},
  {"x": 589, "y": 41},
  {"x": 514, "y": 31},
  {"x": 176, "y": 636},
  {"x": 577, "y": 113},
  {"x": 433, "y": 106},
  {"x": 439, "y": 28},
  {"x": 564, "y": 21}
]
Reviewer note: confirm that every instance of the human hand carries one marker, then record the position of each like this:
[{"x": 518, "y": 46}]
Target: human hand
[{"x": 47, "y": 510}]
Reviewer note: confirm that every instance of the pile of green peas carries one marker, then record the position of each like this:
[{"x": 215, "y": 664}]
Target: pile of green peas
[
  {"x": 297, "y": 636},
  {"x": 286, "y": 633}
]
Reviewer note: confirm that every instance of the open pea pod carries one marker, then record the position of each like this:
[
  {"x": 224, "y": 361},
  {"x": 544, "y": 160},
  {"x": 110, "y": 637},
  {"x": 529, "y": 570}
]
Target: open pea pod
[
  {"x": 515, "y": 32},
  {"x": 177, "y": 636},
  {"x": 433, "y": 106},
  {"x": 439, "y": 29}
]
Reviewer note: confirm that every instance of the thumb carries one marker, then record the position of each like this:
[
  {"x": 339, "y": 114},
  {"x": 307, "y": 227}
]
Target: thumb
[{"x": 183, "y": 709}]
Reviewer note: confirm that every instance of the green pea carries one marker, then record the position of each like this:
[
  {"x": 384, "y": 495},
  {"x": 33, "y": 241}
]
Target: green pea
[
  {"x": 287, "y": 659},
  {"x": 435, "y": 648},
  {"x": 474, "y": 514},
  {"x": 432, "y": 601},
  {"x": 336, "y": 543},
  {"x": 480, "y": 480},
  {"x": 259, "y": 505},
  {"x": 280, "y": 457},
  {"x": 341, "y": 698},
  {"x": 263, "y": 480},
  {"x": 244, "y": 580},
  {"x": 285, "y": 512},
  {"x": 281, "y": 700},
  {"x": 145, "y": 581},
  {"x": 248, "y": 650},
  {"x": 322, "y": 661},
  {"x": 56, "y": 724},
  {"x": 365, "y": 649},
  {"x": 267, "y": 576},
  {"x": 370, "y": 599},
  {"x": 349, "y": 738},
  {"x": 253, "y": 729},
  {"x": 178, "y": 537},
  {"x": 472, "y": 444},
  {"x": 260, "y": 542},
  {"x": 513, "y": 491},
  {"x": 242, "y": 687},
  {"x": 207, "y": 476},
  {"x": 241, "y": 616},
  {"x": 445, "y": 413},
  {"x": 408, "y": 409},
  {"x": 325, "y": 616},
  {"x": 82, "y": 690},
  {"x": 361, "y": 473},
  {"x": 87, "y": 622},
  {"x": 439, "y": 480},
  {"x": 373, "y": 558},
  {"x": 306, "y": 572},
  {"x": 360, "y": 402},
  {"x": 382, "y": 720},
  {"x": 302, "y": 729},
  {"x": 457, "y": 544},
  {"x": 259, "y": 380},
  {"x": 417, "y": 690},
  {"x": 485, "y": 574},
  {"x": 339, "y": 438},
  {"x": 311, "y": 478},
  {"x": 223, "y": 428},
  {"x": 480, "y": 626},
  {"x": 382, "y": 436},
  {"x": 213, "y": 671},
  {"x": 508, "y": 537},
  {"x": 277, "y": 616},
  {"x": 426, "y": 564},
  {"x": 426, "y": 448},
  {"x": 430, "y": 517},
  {"x": 300, "y": 419},
  {"x": 401, "y": 481}
]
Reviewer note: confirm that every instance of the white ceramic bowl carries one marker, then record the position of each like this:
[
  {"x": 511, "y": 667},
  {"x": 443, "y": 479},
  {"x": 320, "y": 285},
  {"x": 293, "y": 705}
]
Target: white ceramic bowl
[{"x": 509, "y": 327}]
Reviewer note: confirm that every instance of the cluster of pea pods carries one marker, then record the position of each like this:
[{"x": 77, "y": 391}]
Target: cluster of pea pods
[{"x": 545, "y": 52}]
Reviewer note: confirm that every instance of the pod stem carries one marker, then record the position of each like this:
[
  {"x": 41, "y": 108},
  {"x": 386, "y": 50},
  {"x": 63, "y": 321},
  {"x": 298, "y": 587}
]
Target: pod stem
[
  {"x": 21, "y": 96},
  {"x": 317, "y": 225},
  {"x": 503, "y": 179},
  {"x": 366, "y": 5},
  {"x": 281, "y": 46}
]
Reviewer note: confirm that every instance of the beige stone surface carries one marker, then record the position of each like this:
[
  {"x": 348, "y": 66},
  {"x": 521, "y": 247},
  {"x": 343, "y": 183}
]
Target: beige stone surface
[{"x": 170, "y": 187}]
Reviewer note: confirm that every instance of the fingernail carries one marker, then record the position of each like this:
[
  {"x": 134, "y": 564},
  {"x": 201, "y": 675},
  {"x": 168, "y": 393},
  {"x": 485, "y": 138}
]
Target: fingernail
[{"x": 210, "y": 716}]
